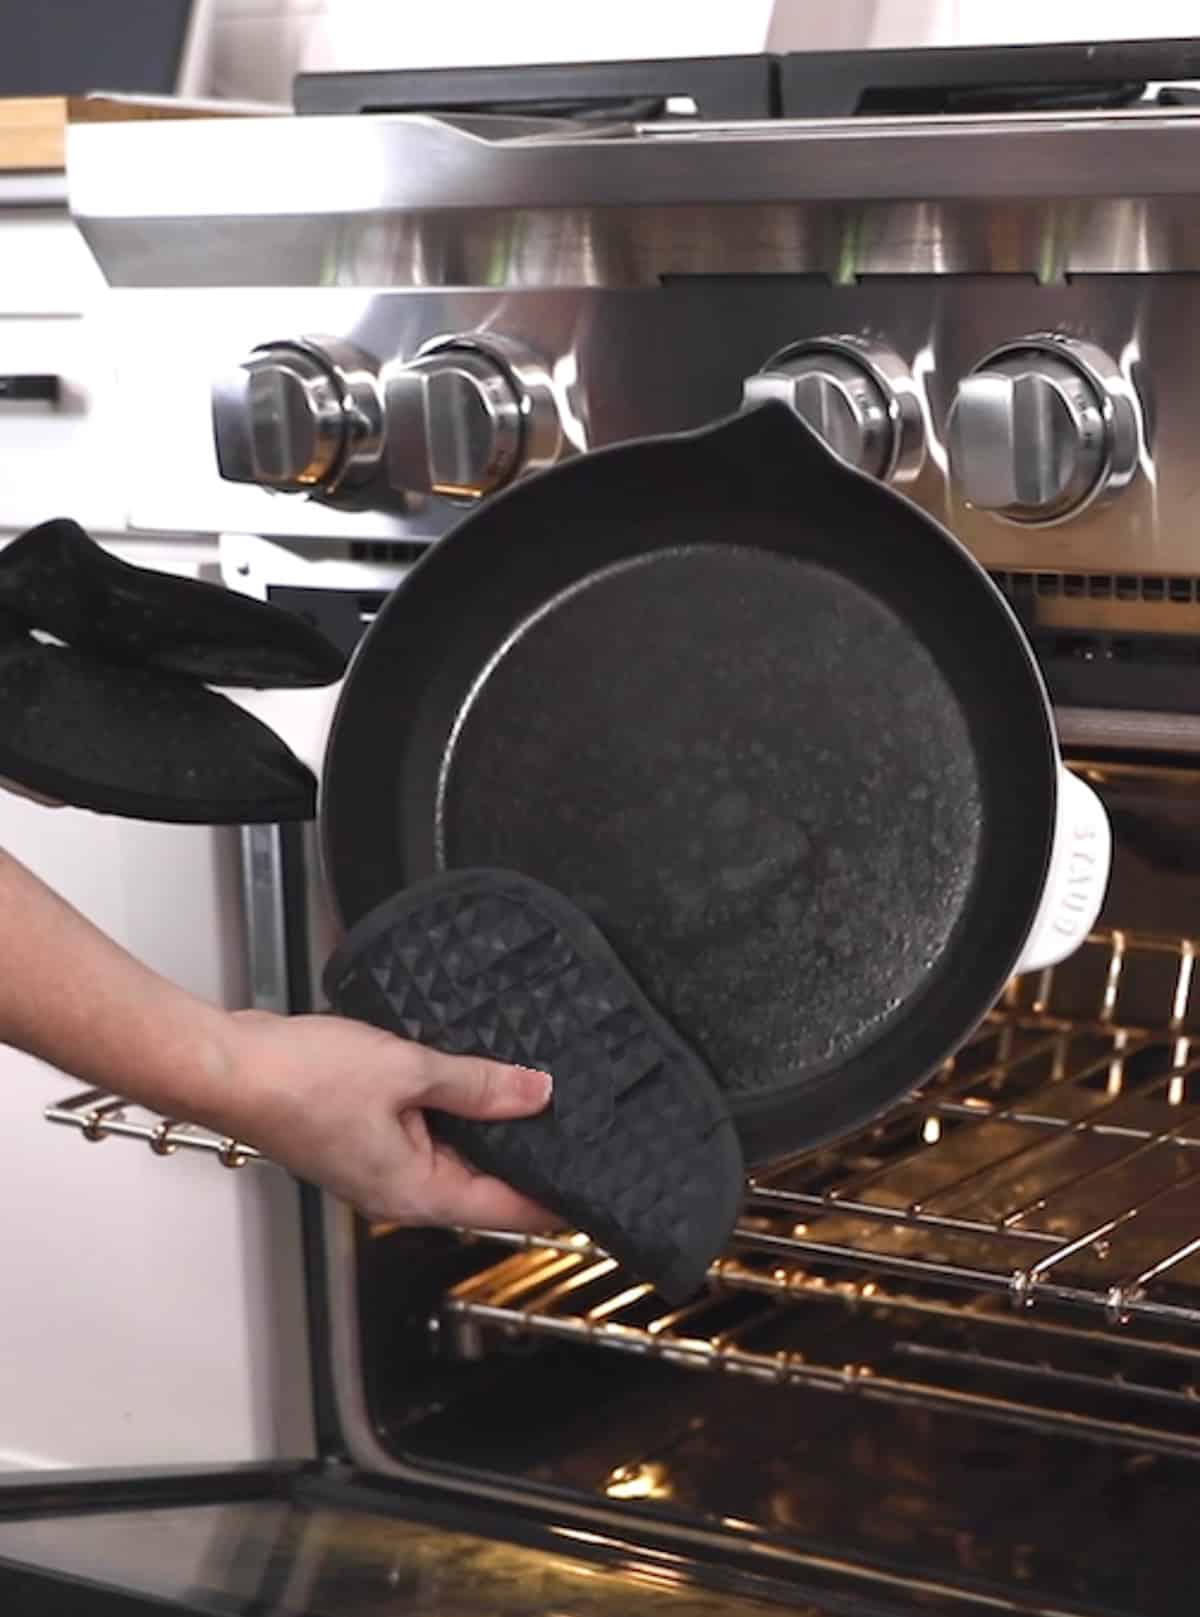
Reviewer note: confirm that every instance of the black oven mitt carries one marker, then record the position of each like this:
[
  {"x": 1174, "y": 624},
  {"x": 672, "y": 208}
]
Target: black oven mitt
[
  {"x": 55, "y": 578},
  {"x": 637, "y": 1147},
  {"x": 118, "y": 718},
  {"x": 139, "y": 742}
]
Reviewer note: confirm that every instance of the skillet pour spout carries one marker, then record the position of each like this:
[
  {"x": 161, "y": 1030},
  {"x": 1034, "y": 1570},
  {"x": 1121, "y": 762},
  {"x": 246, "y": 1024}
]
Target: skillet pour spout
[{"x": 765, "y": 721}]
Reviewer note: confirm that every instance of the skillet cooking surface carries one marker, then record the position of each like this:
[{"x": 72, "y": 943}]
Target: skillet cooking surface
[
  {"x": 764, "y": 719},
  {"x": 756, "y": 781}
]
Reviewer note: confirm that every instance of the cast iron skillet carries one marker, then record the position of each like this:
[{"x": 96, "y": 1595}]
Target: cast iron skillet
[{"x": 762, "y": 718}]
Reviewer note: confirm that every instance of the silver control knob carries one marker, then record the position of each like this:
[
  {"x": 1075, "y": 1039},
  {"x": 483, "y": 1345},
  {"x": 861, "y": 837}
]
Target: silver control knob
[
  {"x": 304, "y": 416},
  {"x": 856, "y": 394},
  {"x": 467, "y": 416},
  {"x": 1041, "y": 428}
]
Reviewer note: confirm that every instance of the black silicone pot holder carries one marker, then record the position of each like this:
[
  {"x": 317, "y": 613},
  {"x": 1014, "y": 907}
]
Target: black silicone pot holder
[
  {"x": 57, "y": 579},
  {"x": 637, "y": 1147}
]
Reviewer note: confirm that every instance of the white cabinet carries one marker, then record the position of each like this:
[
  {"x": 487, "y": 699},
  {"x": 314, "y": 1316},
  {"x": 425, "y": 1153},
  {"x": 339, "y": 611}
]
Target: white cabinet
[
  {"x": 71, "y": 458},
  {"x": 151, "y": 1310},
  {"x": 64, "y": 459},
  {"x": 46, "y": 268}
]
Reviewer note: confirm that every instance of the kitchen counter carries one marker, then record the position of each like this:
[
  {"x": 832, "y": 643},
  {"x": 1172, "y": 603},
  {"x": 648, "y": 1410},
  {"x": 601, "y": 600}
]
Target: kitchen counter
[{"x": 33, "y": 129}]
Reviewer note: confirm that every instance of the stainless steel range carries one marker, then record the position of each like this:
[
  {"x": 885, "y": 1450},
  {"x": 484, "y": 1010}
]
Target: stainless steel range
[{"x": 952, "y": 1364}]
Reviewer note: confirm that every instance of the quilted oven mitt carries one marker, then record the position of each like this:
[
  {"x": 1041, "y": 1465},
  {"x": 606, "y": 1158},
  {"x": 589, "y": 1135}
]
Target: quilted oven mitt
[{"x": 637, "y": 1146}]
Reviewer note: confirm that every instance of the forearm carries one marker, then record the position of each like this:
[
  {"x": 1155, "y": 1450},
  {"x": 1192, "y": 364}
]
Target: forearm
[
  {"x": 337, "y": 1102},
  {"x": 74, "y": 998}
]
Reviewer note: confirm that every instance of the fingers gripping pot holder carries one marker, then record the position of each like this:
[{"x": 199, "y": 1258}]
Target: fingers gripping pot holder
[
  {"x": 637, "y": 1147},
  {"x": 118, "y": 717}
]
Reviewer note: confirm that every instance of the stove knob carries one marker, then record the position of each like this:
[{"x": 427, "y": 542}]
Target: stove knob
[
  {"x": 1041, "y": 428},
  {"x": 302, "y": 416},
  {"x": 856, "y": 394},
  {"x": 467, "y": 416}
]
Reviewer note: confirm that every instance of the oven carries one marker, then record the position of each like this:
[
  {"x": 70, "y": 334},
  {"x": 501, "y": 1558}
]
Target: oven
[{"x": 949, "y": 1364}]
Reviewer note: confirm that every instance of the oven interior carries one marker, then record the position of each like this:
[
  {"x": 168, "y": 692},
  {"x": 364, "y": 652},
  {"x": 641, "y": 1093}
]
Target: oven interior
[{"x": 969, "y": 1335}]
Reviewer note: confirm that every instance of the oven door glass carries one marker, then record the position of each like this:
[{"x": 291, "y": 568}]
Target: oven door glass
[{"x": 316, "y": 1548}]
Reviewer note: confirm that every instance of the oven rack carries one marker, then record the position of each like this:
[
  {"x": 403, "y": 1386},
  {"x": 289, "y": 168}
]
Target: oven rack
[
  {"x": 99, "y": 1115},
  {"x": 908, "y": 1349},
  {"x": 1054, "y": 1161},
  {"x": 1053, "y": 1164},
  {"x": 1020, "y": 1243}
]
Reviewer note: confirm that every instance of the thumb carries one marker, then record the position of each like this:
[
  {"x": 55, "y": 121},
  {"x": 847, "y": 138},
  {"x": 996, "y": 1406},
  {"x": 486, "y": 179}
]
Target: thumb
[{"x": 468, "y": 1086}]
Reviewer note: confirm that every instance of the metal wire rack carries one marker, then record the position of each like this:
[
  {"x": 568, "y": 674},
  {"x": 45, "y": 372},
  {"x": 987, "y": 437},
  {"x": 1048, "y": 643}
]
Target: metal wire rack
[
  {"x": 1054, "y": 1160},
  {"x": 1021, "y": 1240},
  {"x": 99, "y": 1115},
  {"x": 887, "y": 1345}
]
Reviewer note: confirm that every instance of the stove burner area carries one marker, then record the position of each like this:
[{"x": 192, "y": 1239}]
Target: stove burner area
[
  {"x": 803, "y": 84},
  {"x": 712, "y": 88}
]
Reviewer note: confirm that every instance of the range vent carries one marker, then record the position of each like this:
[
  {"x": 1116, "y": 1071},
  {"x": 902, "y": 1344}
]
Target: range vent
[
  {"x": 392, "y": 552},
  {"x": 1021, "y": 586}
]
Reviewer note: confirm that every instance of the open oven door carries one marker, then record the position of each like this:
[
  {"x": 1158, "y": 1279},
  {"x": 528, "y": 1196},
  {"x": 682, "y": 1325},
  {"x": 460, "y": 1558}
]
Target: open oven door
[{"x": 279, "y": 1539}]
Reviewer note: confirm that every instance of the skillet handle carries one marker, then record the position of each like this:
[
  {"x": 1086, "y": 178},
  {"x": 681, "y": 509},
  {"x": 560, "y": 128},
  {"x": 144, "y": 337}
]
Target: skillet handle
[
  {"x": 300, "y": 718},
  {"x": 1077, "y": 880}
]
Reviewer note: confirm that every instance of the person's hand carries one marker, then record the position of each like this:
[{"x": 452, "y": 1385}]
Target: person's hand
[{"x": 341, "y": 1104}]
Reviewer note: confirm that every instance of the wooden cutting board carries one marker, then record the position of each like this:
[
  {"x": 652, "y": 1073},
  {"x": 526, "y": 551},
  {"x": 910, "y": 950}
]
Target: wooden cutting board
[{"x": 33, "y": 129}]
